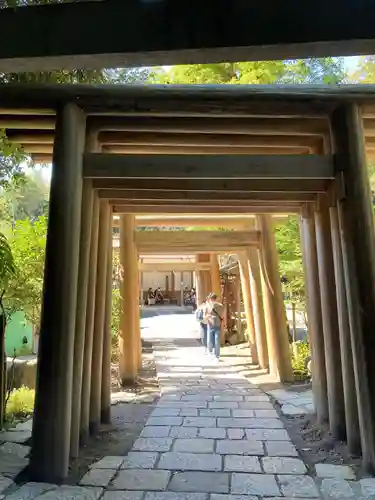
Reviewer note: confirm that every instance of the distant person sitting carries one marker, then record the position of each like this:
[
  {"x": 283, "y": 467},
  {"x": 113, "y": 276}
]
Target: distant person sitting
[
  {"x": 159, "y": 297},
  {"x": 150, "y": 299}
]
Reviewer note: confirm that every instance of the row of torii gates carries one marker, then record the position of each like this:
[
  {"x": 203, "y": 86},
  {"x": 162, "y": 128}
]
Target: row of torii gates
[{"x": 199, "y": 150}]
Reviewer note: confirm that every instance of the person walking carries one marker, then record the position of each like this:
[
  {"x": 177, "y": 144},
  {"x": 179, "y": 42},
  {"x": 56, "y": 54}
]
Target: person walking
[
  {"x": 200, "y": 315},
  {"x": 214, "y": 316}
]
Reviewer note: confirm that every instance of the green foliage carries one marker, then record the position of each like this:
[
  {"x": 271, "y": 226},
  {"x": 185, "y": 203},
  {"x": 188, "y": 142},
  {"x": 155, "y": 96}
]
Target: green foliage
[
  {"x": 24, "y": 292},
  {"x": 11, "y": 159},
  {"x": 300, "y": 352},
  {"x": 20, "y": 403},
  {"x": 326, "y": 70},
  {"x": 365, "y": 70},
  {"x": 290, "y": 257},
  {"x": 7, "y": 265},
  {"x": 237, "y": 73}
]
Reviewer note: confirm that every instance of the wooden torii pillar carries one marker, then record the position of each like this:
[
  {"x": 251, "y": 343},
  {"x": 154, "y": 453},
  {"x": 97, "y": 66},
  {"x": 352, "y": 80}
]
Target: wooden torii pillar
[
  {"x": 243, "y": 264},
  {"x": 314, "y": 311},
  {"x": 49, "y": 459},
  {"x": 336, "y": 409},
  {"x": 356, "y": 222},
  {"x": 277, "y": 334},
  {"x": 128, "y": 335}
]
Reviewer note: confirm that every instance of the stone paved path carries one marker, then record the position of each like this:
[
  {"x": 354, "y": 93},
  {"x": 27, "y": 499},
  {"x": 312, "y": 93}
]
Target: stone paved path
[{"x": 212, "y": 436}]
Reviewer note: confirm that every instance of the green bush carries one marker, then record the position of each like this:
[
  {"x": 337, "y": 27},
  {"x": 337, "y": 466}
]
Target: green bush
[
  {"x": 300, "y": 351},
  {"x": 20, "y": 403}
]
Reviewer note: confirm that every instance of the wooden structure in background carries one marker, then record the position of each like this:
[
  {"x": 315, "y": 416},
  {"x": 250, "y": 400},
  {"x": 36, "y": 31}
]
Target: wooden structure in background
[{"x": 237, "y": 150}]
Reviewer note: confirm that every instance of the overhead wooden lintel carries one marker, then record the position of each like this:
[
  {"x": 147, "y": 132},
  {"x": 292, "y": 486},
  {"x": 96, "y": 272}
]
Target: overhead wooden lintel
[
  {"x": 216, "y": 185},
  {"x": 194, "y": 241},
  {"x": 168, "y": 209},
  {"x": 172, "y": 266},
  {"x": 125, "y": 196},
  {"x": 102, "y": 165}
]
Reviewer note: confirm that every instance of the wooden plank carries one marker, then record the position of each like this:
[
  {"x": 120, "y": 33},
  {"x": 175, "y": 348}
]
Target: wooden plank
[
  {"x": 167, "y": 209},
  {"x": 121, "y": 195},
  {"x": 242, "y": 126},
  {"x": 209, "y": 204},
  {"x": 197, "y": 139},
  {"x": 134, "y": 33},
  {"x": 208, "y": 150},
  {"x": 148, "y": 241},
  {"x": 101, "y": 165},
  {"x": 217, "y": 185}
]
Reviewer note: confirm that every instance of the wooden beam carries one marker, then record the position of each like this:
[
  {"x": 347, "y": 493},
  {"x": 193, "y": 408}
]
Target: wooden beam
[
  {"x": 228, "y": 140},
  {"x": 136, "y": 33},
  {"x": 218, "y": 185},
  {"x": 205, "y": 196},
  {"x": 184, "y": 209},
  {"x": 28, "y": 122},
  {"x": 220, "y": 125},
  {"x": 234, "y": 204},
  {"x": 206, "y": 150},
  {"x": 194, "y": 241},
  {"x": 172, "y": 266},
  {"x": 101, "y": 165}
]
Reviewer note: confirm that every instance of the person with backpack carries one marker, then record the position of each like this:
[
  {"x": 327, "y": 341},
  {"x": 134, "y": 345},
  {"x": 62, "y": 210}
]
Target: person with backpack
[
  {"x": 214, "y": 316},
  {"x": 200, "y": 317}
]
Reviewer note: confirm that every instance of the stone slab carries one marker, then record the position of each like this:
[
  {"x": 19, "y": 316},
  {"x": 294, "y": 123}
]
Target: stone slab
[
  {"x": 236, "y": 433},
  {"x": 190, "y": 461},
  {"x": 243, "y": 413},
  {"x": 267, "y": 434},
  {"x": 29, "y": 491},
  {"x": 298, "y": 486},
  {"x": 199, "y": 422},
  {"x": 27, "y": 425},
  {"x": 218, "y": 496},
  {"x": 337, "y": 489},
  {"x": 212, "y": 432},
  {"x": 229, "y": 398},
  {"x": 266, "y": 414},
  {"x": 142, "y": 479},
  {"x": 18, "y": 449},
  {"x": 254, "y": 484},
  {"x": 5, "y": 482},
  {"x": 15, "y": 436},
  {"x": 204, "y": 482},
  {"x": 367, "y": 485},
  {"x": 152, "y": 431},
  {"x": 73, "y": 493},
  {"x": 11, "y": 464},
  {"x": 237, "y": 447},
  {"x": 109, "y": 462},
  {"x": 165, "y": 412},
  {"x": 172, "y": 495},
  {"x": 189, "y": 412},
  {"x": 250, "y": 423},
  {"x": 215, "y": 412},
  {"x": 98, "y": 477},
  {"x": 140, "y": 460},
  {"x": 223, "y": 404},
  {"x": 283, "y": 465},
  {"x": 256, "y": 405},
  {"x": 164, "y": 421},
  {"x": 240, "y": 463},
  {"x": 194, "y": 445},
  {"x": 257, "y": 397},
  {"x": 280, "y": 449},
  {"x": 152, "y": 444},
  {"x": 183, "y": 432},
  {"x": 123, "y": 495},
  {"x": 334, "y": 471}
]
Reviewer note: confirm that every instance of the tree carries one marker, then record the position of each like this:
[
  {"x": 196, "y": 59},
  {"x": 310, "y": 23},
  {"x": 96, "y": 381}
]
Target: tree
[
  {"x": 326, "y": 70},
  {"x": 25, "y": 289},
  {"x": 365, "y": 70},
  {"x": 237, "y": 73}
]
